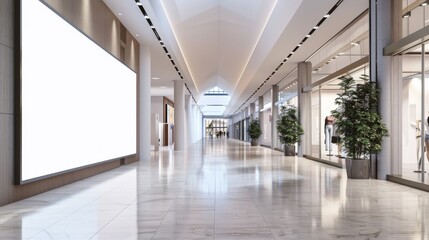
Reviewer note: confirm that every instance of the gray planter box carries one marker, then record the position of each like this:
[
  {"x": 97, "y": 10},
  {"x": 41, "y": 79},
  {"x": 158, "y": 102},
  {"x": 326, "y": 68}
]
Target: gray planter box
[
  {"x": 358, "y": 168},
  {"x": 289, "y": 150},
  {"x": 254, "y": 142}
]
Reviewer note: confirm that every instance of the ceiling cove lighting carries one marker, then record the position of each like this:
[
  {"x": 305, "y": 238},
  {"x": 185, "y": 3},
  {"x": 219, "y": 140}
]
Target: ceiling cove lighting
[
  {"x": 155, "y": 32},
  {"x": 313, "y": 29}
]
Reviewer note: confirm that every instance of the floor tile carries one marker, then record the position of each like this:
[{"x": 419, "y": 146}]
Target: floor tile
[{"x": 221, "y": 190}]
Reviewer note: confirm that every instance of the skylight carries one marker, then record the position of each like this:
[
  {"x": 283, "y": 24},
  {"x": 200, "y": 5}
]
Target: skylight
[{"x": 216, "y": 91}]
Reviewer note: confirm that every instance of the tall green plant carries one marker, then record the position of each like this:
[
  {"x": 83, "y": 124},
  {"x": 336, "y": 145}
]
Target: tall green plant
[
  {"x": 254, "y": 129},
  {"x": 357, "y": 117},
  {"x": 288, "y": 128}
]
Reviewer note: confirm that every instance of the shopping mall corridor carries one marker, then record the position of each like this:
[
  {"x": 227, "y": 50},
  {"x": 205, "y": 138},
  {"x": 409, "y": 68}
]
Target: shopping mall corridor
[{"x": 221, "y": 189}]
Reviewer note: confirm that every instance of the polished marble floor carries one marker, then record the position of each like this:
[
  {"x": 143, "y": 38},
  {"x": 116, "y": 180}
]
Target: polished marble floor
[{"x": 221, "y": 190}]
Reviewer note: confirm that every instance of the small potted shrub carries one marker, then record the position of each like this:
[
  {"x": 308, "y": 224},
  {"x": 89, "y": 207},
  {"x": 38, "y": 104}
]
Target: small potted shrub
[
  {"x": 254, "y": 131},
  {"x": 288, "y": 128},
  {"x": 359, "y": 123}
]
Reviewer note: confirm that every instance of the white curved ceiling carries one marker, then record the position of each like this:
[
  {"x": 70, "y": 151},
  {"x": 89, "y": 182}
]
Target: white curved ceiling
[{"x": 231, "y": 44}]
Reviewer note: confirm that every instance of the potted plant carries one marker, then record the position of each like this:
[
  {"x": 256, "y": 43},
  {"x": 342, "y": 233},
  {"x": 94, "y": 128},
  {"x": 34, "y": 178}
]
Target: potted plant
[
  {"x": 254, "y": 131},
  {"x": 359, "y": 123},
  {"x": 288, "y": 128}
]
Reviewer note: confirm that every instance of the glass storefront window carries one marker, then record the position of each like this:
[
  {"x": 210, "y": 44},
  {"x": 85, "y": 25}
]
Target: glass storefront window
[
  {"x": 323, "y": 131},
  {"x": 315, "y": 123},
  {"x": 288, "y": 96},
  {"x": 415, "y": 115},
  {"x": 414, "y": 16},
  {"x": 347, "y": 48}
]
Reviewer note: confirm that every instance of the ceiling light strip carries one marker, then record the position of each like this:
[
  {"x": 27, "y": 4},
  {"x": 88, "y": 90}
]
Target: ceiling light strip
[
  {"x": 161, "y": 42},
  {"x": 294, "y": 50}
]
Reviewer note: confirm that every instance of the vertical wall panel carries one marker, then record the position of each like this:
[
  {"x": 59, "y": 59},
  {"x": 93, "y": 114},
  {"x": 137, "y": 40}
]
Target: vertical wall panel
[{"x": 6, "y": 74}]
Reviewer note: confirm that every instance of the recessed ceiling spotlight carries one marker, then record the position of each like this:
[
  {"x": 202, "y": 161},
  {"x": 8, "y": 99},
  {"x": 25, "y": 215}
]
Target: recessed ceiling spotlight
[
  {"x": 120, "y": 14},
  {"x": 299, "y": 45},
  {"x": 147, "y": 17},
  {"x": 354, "y": 44},
  {"x": 155, "y": 78},
  {"x": 326, "y": 16},
  {"x": 316, "y": 27},
  {"x": 308, "y": 35},
  {"x": 139, "y": 3},
  {"x": 407, "y": 14},
  {"x": 163, "y": 87},
  {"x": 137, "y": 35},
  {"x": 152, "y": 26}
]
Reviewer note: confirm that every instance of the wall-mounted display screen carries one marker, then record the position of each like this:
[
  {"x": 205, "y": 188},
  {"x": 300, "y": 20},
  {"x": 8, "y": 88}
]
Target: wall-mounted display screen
[{"x": 78, "y": 102}]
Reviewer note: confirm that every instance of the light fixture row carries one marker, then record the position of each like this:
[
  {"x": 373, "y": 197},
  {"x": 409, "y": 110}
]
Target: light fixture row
[
  {"x": 408, "y": 13},
  {"x": 158, "y": 37},
  {"x": 161, "y": 42},
  {"x": 333, "y": 58},
  {"x": 307, "y": 36}
]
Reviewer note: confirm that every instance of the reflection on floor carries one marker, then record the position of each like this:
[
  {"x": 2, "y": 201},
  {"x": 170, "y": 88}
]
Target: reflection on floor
[
  {"x": 409, "y": 171},
  {"x": 221, "y": 190}
]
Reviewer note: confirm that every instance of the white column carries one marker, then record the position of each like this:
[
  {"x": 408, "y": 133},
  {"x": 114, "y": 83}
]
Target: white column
[
  {"x": 179, "y": 116},
  {"x": 190, "y": 124},
  {"x": 274, "y": 116},
  {"x": 261, "y": 118},
  {"x": 304, "y": 107},
  {"x": 201, "y": 131},
  {"x": 144, "y": 113},
  {"x": 252, "y": 110},
  {"x": 194, "y": 119},
  {"x": 387, "y": 71}
]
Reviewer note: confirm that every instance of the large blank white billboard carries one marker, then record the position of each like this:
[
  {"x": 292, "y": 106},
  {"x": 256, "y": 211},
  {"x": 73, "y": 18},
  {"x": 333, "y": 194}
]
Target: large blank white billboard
[{"x": 78, "y": 102}]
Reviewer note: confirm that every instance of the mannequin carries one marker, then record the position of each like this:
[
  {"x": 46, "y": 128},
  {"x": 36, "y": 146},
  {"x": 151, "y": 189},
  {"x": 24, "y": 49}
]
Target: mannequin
[
  {"x": 329, "y": 130},
  {"x": 426, "y": 138},
  {"x": 336, "y": 139}
]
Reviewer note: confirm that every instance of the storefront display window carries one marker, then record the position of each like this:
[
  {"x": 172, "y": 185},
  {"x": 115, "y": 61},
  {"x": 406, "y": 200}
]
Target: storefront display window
[
  {"x": 415, "y": 16},
  {"x": 288, "y": 96},
  {"x": 415, "y": 117},
  {"x": 325, "y": 142}
]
